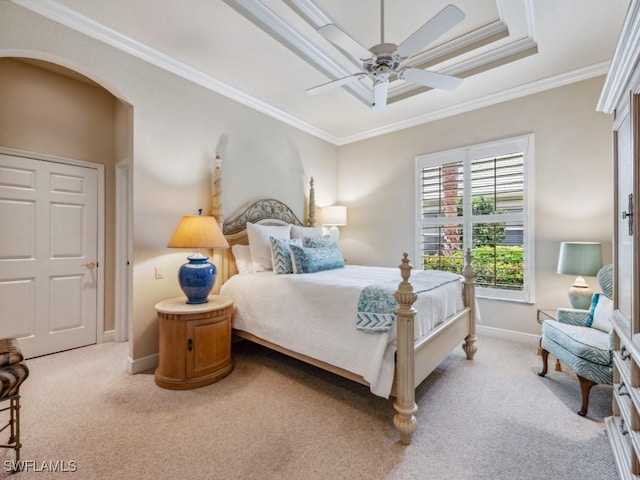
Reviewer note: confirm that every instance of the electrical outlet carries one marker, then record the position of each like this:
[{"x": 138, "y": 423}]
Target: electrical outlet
[{"x": 159, "y": 272}]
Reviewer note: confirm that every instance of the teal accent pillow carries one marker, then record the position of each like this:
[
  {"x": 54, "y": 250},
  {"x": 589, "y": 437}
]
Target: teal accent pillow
[
  {"x": 317, "y": 242},
  {"x": 592, "y": 309},
  {"x": 281, "y": 254},
  {"x": 310, "y": 260}
]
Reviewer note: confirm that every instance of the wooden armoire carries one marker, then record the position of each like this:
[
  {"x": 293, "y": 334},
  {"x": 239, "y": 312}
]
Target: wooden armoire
[{"x": 621, "y": 97}]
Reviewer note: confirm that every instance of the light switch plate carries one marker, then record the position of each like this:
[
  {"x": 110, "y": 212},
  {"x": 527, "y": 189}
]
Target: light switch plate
[{"x": 159, "y": 272}]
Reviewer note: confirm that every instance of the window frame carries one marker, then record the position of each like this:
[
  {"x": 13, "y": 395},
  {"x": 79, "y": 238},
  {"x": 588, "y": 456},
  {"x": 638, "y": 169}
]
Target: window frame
[{"x": 466, "y": 155}]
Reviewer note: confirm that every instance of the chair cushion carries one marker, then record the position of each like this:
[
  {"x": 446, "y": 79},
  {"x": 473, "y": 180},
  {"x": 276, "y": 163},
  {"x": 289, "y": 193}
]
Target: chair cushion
[
  {"x": 589, "y": 344},
  {"x": 10, "y": 352},
  {"x": 11, "y": 377}
]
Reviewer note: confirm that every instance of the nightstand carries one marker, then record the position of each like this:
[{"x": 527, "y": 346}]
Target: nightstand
[{"x": 194, "y": 342}]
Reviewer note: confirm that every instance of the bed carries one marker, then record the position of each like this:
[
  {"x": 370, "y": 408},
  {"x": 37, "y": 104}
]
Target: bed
[{"x": 312, "y": 317}]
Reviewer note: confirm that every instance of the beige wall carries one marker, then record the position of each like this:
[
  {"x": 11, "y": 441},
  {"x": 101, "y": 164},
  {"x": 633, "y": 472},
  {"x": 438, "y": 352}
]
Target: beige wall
[
  {"x": 45, "y": 112},
  {"x": 572, "y": 186},
  {"x": 177, "y": 129}
]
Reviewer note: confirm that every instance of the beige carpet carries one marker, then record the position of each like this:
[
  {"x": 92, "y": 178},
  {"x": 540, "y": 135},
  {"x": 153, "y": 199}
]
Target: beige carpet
[{"x": 276, "y": 418}]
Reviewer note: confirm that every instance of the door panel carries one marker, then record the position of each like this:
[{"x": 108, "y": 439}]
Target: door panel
[
  {"x": 21, "y": 322},
  {"x": 624, "y": 245},
  {"x": 48, "y": 283}
]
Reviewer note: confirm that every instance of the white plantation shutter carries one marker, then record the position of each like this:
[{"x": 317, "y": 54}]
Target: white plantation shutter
[{"x": 477, "y": 198}]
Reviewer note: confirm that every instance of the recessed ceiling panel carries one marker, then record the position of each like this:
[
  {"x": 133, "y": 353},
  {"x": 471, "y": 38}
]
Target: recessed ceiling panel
[{"x": 534, "y": 42}]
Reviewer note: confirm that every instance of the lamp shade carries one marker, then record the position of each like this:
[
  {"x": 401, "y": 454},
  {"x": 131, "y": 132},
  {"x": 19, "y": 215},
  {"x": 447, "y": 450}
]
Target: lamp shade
[
  {"x": 197, "y": 277},
  {"x": 198, "y": 231},
  {"x": 335, "y": 215},
  {"x": 580, "y": 258}
]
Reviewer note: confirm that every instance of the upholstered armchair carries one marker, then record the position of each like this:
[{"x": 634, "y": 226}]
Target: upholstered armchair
[{"x": 583, "y": 339}]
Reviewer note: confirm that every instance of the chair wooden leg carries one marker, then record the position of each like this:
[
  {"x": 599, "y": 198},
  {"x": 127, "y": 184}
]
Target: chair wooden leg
[
  {"x": 545, "y": 357},
  {"x": 585, "y": 387}
]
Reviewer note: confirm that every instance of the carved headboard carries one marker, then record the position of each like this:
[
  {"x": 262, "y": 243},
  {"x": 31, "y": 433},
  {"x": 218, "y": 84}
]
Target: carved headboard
[{"x": 266, "y": 211}]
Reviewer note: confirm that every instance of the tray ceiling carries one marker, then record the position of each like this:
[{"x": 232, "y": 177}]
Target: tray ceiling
[{"x": 266, "y": 53}]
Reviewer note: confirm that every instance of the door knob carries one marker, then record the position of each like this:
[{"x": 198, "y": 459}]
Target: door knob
[{"x": 89, "y": 265}]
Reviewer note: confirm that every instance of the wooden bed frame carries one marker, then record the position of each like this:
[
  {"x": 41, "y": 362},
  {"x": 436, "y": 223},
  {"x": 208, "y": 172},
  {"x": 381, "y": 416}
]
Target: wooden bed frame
[{"x": 414, "y": 361}]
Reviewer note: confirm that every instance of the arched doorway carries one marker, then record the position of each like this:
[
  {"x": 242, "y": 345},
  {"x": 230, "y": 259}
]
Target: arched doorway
[{"x": 53, "y": 111}]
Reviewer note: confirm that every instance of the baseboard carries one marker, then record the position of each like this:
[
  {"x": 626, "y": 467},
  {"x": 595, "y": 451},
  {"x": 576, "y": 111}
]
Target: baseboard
[
  {"x": 510, "y": 335},
  {"x": 140, "y": 365}
]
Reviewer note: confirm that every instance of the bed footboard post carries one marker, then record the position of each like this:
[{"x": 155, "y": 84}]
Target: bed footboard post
[
  {"x": 404, "y": 420},
  {"x": 469, "y": 274}
]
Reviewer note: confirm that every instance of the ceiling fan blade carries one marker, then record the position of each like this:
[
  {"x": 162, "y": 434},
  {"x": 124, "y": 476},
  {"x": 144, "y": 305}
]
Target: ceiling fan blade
[
  {"x": 335, "y": 83},
  {"x": 443, "y": 21},
  {"x": 380, "y": 89},
  {"x": 430, "y": 79},
  {"x": 343, "y": 41}
]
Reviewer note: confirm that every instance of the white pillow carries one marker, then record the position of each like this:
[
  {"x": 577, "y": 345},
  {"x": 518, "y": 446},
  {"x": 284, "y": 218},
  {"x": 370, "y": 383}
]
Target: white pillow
[
  {"x": 260, "y": 245},
  {"x": 242, "y": 255},
  {"x": 299, "y": 232},
  {"x": 602, "y": 314}
]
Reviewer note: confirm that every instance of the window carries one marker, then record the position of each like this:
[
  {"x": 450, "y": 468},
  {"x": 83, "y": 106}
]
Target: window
[{"x": 478, "y": 198}]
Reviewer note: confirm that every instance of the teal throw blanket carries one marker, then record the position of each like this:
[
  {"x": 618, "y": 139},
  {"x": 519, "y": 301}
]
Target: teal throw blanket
[{"x": 377, "y": 305}]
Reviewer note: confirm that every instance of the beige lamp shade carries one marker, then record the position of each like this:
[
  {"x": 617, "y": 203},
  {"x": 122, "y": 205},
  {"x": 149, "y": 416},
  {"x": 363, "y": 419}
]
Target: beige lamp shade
[
  {"x": 335, "y": 215},
  {"x": 197, "y": 276},
  {"x": 198, "y": 231}
]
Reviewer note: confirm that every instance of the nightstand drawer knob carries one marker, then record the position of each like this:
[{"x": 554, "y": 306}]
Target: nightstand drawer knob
[{"x": 190, "y": 345}]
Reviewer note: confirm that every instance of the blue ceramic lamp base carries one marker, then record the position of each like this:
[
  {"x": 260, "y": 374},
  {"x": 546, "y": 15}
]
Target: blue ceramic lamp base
[{"x": 196, "y": 278}]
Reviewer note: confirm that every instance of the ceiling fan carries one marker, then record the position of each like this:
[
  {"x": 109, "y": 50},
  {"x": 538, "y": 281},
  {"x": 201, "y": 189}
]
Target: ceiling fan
[{"x": 386, "y": 59}]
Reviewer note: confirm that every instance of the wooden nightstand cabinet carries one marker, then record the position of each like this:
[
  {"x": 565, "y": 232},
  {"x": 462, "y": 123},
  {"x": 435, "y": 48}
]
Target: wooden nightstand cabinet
[{"x": 194, "y": 343}]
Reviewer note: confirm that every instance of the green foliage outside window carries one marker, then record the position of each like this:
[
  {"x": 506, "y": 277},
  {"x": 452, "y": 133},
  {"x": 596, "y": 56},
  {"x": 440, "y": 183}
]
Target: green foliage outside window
[
  {"x": 499, "y": 267},
  {"x": 485, "y": 233}
]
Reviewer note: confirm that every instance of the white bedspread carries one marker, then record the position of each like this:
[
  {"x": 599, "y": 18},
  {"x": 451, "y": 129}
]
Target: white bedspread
[{"x": 315, "y": 314}]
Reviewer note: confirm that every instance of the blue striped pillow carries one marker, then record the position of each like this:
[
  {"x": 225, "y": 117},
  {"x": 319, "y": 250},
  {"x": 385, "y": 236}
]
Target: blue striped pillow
[{"x": 281, "y": 254}]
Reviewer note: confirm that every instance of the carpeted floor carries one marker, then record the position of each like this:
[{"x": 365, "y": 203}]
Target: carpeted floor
[{"x": 276, "y": 418}]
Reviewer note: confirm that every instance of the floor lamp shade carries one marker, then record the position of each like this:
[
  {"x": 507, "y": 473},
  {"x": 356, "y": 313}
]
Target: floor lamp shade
[
  {"x": 333, "y": 217},
  {"x": 198, "y": 275},
  {"x": 580, "y": 258}
]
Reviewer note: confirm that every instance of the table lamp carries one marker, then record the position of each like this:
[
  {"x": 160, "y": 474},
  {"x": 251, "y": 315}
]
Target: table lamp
[
  {"x": 333, "y": 217},
  {"x": 580, "y": 258},
  {"x": 197, "y": 276}
]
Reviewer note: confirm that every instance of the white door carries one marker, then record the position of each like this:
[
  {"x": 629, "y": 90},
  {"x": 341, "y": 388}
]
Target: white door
[{"x": 48, "y": 254}]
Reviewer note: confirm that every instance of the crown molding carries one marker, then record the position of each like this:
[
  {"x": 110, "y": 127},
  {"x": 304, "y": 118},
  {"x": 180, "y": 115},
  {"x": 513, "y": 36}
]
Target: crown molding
[
  {"x": 65, "y": 16},
  {"x": 484, "y": 61},
  {"x": 625, "y": 59},
  {"x": 500, "y": 97},
  {"x": 470, "y": 41},
  {"x": 265, "y": 19}
]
